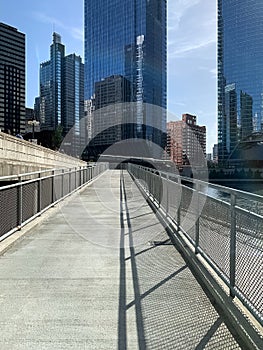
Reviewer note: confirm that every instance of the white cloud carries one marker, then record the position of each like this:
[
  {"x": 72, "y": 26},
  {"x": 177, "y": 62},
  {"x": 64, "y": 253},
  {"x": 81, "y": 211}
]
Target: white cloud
[
  {"x": 42, "y": 17},
  {"x": 76, "y": 33},
  {"x": 179, "y": 103},
  {"x": 188, "y": 47},
  {"x": 191, "y": 65},
  {"x": 191, "y": 26},
  {"x": 213, "y": 71},
  {"x": 176, "y": 11}
]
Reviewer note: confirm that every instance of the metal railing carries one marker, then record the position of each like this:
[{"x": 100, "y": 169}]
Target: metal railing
[
  {"x": 224, "y": 225},
  {"x": 35, "y": 192}
]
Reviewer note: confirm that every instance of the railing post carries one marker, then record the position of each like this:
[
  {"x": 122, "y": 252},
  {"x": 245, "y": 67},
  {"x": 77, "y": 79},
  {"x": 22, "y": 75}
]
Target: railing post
[
  {"x": 19, "y": 203},
  {"x": 160, "y": 188},
  {"x": 197, "y": 219},
  {"x": 158, "y": 185},
  {"x": 167, "y": 195},
  {"x": 69, "y": 182},
  {"x": 148, "y": 182},
  {"x": 233, "y": 245},
  {"x": 179, "y": 207},
  {"x": 151, "y": 184},
  {"x": 39, "y": 198},
  {"x": 53, "y": 186},
  {"x": 62, "y": 183},
  {"x": 75, "y": 177}
]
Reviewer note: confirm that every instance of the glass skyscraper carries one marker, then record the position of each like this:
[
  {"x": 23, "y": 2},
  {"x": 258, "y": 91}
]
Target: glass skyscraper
[
  {"x": 240, "y": 72},
  {"x": 128, "y": 38},
  {"x": 73, "y": 93},
  {"x": 51, "y": 86},
  {"x": 61, "y": 101}
]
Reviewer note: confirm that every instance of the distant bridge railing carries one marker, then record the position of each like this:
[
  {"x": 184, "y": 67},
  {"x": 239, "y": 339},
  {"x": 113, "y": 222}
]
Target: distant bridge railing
[
  {"x": 224, "y": 225},
  {"x": 34, "y": 193}
]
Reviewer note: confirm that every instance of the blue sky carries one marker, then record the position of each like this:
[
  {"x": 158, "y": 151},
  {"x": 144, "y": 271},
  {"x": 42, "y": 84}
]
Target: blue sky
[{"x": 191, "y": 49}]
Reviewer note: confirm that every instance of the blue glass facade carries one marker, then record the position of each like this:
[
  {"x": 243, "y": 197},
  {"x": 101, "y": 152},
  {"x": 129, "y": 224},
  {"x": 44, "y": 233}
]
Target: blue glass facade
[
  {"x": 128, "y": 38},
  {"x": 61, "y": 90},
  {"x": 50, "y": 86},
  {"x": 73, "y": 93},
  {"x": 240, "y": 72}
]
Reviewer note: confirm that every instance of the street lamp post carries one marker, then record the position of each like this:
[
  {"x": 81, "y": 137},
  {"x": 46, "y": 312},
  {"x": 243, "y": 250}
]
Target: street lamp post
[{"x": 33, "y": 123}]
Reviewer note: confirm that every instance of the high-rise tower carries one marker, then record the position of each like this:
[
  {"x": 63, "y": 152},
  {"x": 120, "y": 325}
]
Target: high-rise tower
[
  {"x": 128, "y": 38},
  {"x": 73, "y": 93},
  {"x": 240, "y": 72},
  {"x": 51, "y": 86},
  {"x": 61, "y": 101},
  {"x": 12, "y": 79}
]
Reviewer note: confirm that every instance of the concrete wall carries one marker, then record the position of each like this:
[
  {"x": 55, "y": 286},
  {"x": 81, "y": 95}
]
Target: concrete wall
[{"x": 19, "y": 156}]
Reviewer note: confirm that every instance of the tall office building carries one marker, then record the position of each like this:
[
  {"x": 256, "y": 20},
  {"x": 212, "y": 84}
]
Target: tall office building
[
  {"x": 12, "y": 79},
  {"x": 110, "y": 113},
  {"x": 51, "y": 86},
  {"x": 73, "y": 93},
  {"x": 240, "y": 72},
  {"x": 61, "y": 100},
  {"x": 215, "y": 153},
  {"x": 186, "y": 141},
  {"x": 128, "y": 38}
]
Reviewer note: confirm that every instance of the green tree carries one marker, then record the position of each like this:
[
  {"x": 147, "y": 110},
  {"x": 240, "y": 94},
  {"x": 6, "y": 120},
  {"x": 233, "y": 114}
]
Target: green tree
[{"x": 57, "y": 137}]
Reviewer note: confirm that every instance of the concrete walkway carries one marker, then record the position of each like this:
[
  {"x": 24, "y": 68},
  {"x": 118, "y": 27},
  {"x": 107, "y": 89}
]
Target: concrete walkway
[{"x": 89, "y": 277}]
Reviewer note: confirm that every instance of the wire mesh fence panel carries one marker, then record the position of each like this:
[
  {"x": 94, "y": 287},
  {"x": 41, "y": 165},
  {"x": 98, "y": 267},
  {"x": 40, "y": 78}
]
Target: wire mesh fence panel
[
  {"x": 214, "y": 231},
  {"x": 20, "y": 202},
  {"x": 165, "y": 196},
  {"x": 157, "y": 188},
  {"x": 8, "y": 209},
  {"x": 66, "y": 184},
  {"x": 142, "y": 178},
  {"x": 174, "y": 198},
  {"x": 250, "y": 204},
  {"x": 145, "y": 181},
  {"x": 249, "y": 258},
  {"x": 86, "y": 175},
  {"x": 187, "y": 210},
  {"x": 57, "y": 187},
  {"x": 227, "y": 227},
  {"x": 29, "y": 200},
  {"x": 46, "y": 192},
  {"x": 76, "y": 179},
  {"x": 80, "y": 176},
  {"x": 89, "y": 173},
  {"x": 73, "y": 181}
]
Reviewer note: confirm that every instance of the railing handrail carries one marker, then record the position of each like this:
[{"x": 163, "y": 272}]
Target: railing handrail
[
  {"x": 221, "y": 188},
  {"x": 21, "y": 175}
]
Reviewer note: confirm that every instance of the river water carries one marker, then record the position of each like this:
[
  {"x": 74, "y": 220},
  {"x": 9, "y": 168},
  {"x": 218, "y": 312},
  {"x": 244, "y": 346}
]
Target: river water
[{"x": 253, "y": 187}]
